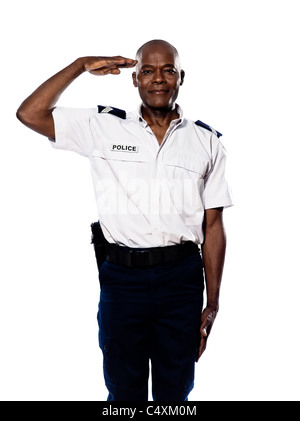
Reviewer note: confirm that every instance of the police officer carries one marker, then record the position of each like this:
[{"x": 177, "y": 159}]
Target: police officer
[{"x": 160, "y": 190}]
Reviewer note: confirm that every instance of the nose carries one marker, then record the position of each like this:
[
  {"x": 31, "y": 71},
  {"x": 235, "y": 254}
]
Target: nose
[{"x": 158, "y": 77}]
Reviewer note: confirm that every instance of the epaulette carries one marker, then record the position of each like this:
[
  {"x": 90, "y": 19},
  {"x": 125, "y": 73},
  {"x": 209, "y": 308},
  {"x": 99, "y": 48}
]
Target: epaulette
[
  {"x": 206, "y": 126},
  {"x": 111, "y": 110}
]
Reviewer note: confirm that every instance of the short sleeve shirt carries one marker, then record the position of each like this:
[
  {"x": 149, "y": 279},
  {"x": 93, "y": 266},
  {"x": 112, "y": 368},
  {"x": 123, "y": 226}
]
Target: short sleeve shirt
[{"x": 148, "y": 195}]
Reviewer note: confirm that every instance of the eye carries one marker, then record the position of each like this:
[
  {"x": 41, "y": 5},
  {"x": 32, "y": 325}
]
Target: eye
[
  {"x": 146, "y": 72},
  {"x": 171, "y": 71}
]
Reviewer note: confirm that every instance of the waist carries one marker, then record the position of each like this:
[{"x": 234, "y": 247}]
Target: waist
[{"x": 147, "y": 257}]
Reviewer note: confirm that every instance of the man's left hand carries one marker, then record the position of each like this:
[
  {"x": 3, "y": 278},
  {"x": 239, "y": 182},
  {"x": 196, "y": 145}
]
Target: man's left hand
[{"x": 208, "y": 317}]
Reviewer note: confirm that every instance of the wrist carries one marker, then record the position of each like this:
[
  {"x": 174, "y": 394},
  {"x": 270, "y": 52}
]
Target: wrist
[
  {"x": 79, "y": 66},
  {"x": 213, "y": 305}
]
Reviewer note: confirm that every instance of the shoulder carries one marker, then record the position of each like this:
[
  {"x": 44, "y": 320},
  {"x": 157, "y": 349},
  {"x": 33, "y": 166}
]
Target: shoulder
[
  {"x": 205, "y": 126},
  {"x": 117, "y": 112}
]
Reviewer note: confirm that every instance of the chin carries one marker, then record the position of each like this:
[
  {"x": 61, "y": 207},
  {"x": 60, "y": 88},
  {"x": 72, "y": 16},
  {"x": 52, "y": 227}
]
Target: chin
[{"x": 162, "y": 106}]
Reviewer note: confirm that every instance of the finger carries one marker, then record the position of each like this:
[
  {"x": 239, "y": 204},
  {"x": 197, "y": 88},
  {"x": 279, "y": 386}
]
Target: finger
[
  {"x": 100, "y": 64},
  {"x": 115, "y": 71},
  {"x": 203, "y": 331},
  {"x": 96, "y": 72},
  {"x": 112, "y": 69},
  {"x": 202, "y": 347},
  {"x": 99, "y": 72},
  {"x": 129, "y": 63},
  {"x": 205, "y": 328},
  {"x": 109, "y": 69},
  {"x": 122, "y": 61}
]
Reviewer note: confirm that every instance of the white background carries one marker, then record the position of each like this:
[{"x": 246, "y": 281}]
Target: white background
[{"x": 242, "y": 77}]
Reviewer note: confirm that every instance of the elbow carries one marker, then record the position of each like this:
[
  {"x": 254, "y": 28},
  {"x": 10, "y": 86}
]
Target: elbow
[
  {"x": 19, "y": 114},
  {"x": 23, "y": 116},
  {"x": 42, "y": 124},
  {"x": 28, "y": 116}
]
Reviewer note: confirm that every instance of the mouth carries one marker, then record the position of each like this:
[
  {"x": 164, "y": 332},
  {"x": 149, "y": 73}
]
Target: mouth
[{"x": 159, "y": 91}]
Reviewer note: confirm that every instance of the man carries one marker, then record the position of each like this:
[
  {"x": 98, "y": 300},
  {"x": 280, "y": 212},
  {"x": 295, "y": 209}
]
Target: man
[{"x": 160, "y": 190}]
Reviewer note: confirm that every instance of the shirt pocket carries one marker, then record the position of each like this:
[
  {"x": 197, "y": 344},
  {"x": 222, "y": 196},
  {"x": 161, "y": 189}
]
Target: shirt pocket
[
  {"x": 119, "y": 155},
  {"x": 186, "y": 165},
  {"x": 120, "y": 165}
]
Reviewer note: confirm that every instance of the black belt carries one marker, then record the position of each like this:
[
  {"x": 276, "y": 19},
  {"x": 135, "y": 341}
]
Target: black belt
[{"x": 146, "y": 257}]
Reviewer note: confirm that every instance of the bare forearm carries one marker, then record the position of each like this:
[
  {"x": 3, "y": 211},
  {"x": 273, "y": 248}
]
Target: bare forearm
[
  {"x": 45, "y": 96},
  {"x": 39, "y": 105},
  {"x": 213, "y": 252},
  {"x": 36, "y": 111},
  {"x": 213, "y": 257}
]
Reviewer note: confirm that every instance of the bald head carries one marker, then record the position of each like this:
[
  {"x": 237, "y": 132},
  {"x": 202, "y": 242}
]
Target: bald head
[{"x": 158, "y": 44}]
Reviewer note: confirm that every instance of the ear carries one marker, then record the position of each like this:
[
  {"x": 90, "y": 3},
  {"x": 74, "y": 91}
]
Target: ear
[
  {"x": 134, "y": 79},
  {"x": 182, "y": 75}
]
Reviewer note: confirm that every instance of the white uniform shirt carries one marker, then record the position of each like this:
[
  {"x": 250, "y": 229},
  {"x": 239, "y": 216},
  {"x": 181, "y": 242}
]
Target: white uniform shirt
[{"x": 148, "y": 195}]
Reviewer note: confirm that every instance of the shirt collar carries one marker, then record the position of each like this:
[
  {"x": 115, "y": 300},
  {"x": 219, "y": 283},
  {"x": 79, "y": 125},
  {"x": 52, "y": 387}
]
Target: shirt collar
[{"x": 173, "y": 122}]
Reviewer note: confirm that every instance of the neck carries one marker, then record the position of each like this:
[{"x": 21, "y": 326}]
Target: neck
[{"x": 159, "y": 117}]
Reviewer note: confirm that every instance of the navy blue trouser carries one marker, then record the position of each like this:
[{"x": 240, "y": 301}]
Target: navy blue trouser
[{"x": 150, "y": 314}]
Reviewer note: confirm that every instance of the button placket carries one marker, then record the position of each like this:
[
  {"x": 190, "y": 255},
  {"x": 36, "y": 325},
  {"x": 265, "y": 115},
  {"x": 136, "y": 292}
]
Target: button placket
[{"x": 155, "y": 188}]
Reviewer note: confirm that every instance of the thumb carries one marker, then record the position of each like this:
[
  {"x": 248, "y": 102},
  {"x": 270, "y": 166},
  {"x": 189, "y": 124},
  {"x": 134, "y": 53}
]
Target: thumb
[{"x": 203, "y": 330}]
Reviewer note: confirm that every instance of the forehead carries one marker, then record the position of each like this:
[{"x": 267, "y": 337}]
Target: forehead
[{"x": 158, "y": 54}]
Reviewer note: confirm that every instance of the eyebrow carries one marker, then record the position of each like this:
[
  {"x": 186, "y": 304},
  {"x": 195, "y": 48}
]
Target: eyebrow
[{"x": 165, "y": 65}]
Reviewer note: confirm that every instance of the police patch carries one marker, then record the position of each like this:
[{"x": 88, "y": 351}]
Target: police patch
[{"x": 124, "y": 148}]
